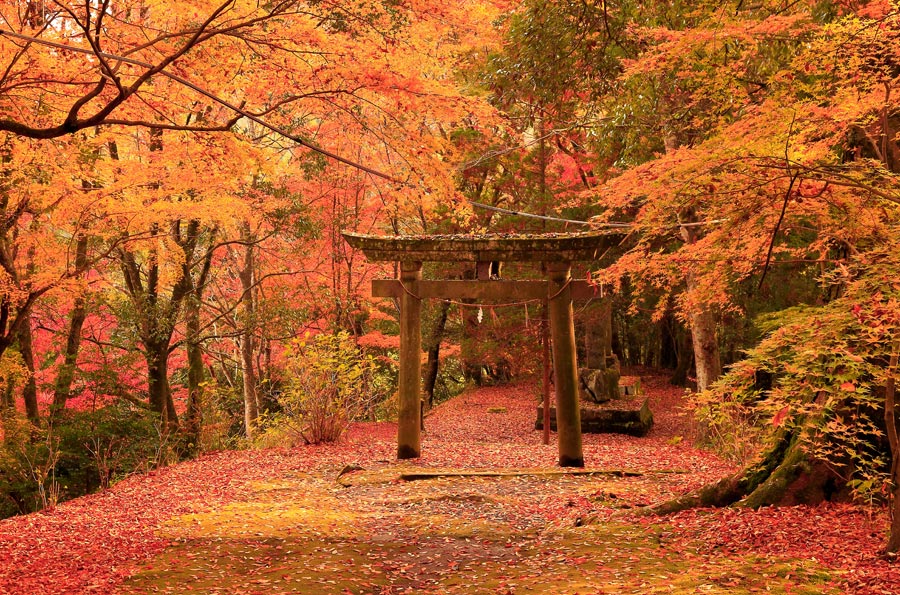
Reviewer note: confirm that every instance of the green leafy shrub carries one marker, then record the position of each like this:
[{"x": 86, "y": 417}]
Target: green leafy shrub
[
  {"x": 101, "y": 445},
  {"x": 223, "y": 418},
  {"x": 820, "y": 370},
  {"x": 330, "y": 385},
  {"x": 28, "y": 463}
]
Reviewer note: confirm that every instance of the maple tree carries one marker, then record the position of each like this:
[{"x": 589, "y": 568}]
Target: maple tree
[
  {"x": 158, "y": 191},
  {"x": 788, "y": 158},
  {"x": 41, "y": 219}
]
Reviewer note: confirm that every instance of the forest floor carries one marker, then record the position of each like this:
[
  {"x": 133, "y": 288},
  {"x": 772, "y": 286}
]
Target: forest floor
[{"x": 284, "y": 521}]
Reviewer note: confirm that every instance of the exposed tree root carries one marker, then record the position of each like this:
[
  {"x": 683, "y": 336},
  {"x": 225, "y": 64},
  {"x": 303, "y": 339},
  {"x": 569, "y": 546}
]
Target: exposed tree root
[{"x": 784, "y": 474}]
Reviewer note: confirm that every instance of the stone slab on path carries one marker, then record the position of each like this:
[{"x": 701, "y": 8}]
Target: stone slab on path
[{"x": 614, "y": 417}]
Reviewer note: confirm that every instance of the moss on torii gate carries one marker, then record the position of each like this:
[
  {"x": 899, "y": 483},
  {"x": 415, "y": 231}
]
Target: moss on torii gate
[{"x": 556, "y": 251}]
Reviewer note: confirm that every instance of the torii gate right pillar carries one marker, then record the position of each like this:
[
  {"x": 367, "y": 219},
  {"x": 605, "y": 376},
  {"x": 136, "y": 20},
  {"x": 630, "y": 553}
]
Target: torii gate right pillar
[{"x": 562, "y": 330}]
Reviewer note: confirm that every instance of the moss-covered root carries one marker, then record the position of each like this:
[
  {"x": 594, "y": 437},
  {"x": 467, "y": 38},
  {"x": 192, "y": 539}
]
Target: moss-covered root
[
  {"x": 784, "y": 479},
  {"x": 769, "y": 481},
  {"x": 724, "y": 492}
]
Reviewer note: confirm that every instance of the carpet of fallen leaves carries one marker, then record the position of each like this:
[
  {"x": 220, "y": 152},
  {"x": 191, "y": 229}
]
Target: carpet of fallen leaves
[{"x": 282, "y": 521}]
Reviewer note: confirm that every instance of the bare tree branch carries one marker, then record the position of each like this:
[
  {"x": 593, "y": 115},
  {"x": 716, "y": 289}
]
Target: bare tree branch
[{"x": 73, "y": 124}]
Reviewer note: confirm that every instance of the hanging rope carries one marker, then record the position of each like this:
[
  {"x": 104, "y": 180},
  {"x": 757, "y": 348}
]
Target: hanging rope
[
  {"x": 533, "y": 216},
  {"x": 486, "y": 305},
  {"x": 611, "y": 224}
]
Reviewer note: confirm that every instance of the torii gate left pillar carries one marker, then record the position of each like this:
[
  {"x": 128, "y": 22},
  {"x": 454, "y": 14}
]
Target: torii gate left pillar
[
  {"x": 556, "y": 251},
  {"x": 409, "y": 434}
]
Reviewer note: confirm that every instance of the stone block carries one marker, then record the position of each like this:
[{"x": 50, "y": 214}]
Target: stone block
[{"x": 616, "y": 417}]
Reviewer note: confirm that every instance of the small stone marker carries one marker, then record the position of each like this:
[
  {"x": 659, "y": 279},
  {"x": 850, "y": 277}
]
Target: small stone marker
[{"x": 629, "y": 387}]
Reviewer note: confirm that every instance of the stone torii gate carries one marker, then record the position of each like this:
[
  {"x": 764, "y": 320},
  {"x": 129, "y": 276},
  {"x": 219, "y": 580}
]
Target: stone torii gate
[{"x": 556, "y": 251}]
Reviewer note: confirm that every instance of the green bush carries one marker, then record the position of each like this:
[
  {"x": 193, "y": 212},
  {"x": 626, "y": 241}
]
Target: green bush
[
  {"x": 331, "y": 384},
  {"x": 97, "y": 447},
  {"x": 81, "y": 452},
  {"x": 28, "y": 462}
]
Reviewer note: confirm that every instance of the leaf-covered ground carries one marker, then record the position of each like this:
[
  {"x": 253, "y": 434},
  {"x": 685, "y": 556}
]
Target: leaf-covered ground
[{"x": 282, "y": 521}]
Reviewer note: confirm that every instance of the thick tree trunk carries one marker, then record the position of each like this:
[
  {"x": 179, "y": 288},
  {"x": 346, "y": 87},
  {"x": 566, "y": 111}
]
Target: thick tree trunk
[
  {"x": 157, "y": 357},
  {"x": 196, "y": 370},
  {"x": 29, "y": 389},
  {"x": 703, "y": 324},
  {"x": 668, "y": 342},
  {"x": 66, "y": 373},
  {"x": 155, "y": 316},
  {"x": 434, "y": 352},
  {"x": 171, "y": 414},
  {"x": 706, "y": 346},
  {"x": 784, "y": 474},
  {"x": 685, "y": 354}
]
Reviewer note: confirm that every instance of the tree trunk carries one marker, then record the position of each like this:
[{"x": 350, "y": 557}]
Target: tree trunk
[
  {"x": 66, "y": 374},
  {"x": 157, "y": 357},
  {"x": 784, "y": 474},
  {"x": 155, "y": 316},
  {"x": 247, "y": 277},
  {"x": 29, "y": 389},
  {"x": 266, "y": 390},
  {"x": 685, "y": 356},
  {"x": 8, "y": 397},
  {"x": 194, "y": 348},
  {"x": 193, "y": 421},
  {"x": 706, "y": 346},
  {"x": 668, "y": 342},
  {"x": 703, "y": 324},
  {"x": 7, "y": 411},
  {"x": 890, "y": 418},
  {"x": 434, "y": 351},
  {"x": 251, "y": 401}
]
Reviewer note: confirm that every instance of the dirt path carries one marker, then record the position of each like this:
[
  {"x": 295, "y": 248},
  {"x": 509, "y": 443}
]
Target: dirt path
[
  {"x": 284, "y": 521},
  {"x": 375, "y": 534},
  {"x": 370, "y": 532}
]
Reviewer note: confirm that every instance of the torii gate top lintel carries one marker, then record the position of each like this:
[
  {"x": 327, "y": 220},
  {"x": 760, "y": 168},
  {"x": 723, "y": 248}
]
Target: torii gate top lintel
[
  {"x": 558, "y": 251},
  {"x": 547, "y": 247}
]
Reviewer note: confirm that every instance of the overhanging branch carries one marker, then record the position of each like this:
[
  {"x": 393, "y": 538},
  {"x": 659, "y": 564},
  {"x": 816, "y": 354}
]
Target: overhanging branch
[{"x": 73, "y": 125}]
